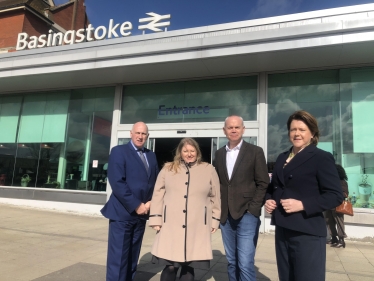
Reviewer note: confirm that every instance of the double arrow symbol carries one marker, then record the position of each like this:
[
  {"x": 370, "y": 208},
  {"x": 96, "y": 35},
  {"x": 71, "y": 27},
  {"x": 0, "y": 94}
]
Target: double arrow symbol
[{"x": 154, "y": 23}]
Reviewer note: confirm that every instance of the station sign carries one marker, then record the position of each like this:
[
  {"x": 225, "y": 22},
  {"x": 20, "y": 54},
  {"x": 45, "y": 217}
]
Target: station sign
[{"x": 24, "y": 41}]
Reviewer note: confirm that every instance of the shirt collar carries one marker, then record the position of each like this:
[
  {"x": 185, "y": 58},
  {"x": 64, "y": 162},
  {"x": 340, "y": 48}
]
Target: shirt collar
[
  {"x": 235, "y": 148},
  {"x": 137, "y": 149}
]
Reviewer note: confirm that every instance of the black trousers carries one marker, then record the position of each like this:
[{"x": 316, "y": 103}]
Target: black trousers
[
  {"x": 300, "y": 256},
  {"x": 335, "y": 223}
]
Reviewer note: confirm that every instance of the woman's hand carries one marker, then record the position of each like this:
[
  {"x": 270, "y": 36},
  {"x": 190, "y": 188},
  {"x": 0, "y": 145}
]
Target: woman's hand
[
  {"x": 270, "y": 205},
  {"x": 292, "y": 205},
  {"x": 213, "y": 230},
  {"x": 156, "y": 227}
]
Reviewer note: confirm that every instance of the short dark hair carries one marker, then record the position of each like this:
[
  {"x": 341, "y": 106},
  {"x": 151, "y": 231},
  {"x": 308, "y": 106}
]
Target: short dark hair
[
  {"x": 341, "y": 172},
  {"x": 309, "y": 120}
]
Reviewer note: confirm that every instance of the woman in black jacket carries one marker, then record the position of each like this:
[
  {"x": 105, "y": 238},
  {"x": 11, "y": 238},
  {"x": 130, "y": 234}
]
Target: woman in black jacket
[{"x": 304, "y": 184}]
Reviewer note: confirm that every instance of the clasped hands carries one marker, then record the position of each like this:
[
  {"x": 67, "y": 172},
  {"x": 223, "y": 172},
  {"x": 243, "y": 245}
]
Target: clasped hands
[
  {"x": 289, "y": 205},
  {"x": 143, "y": 209}
]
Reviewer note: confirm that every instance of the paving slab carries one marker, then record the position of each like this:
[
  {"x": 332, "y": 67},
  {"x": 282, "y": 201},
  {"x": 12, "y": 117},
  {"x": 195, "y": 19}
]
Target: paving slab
[{"x": 41, "y": 245}]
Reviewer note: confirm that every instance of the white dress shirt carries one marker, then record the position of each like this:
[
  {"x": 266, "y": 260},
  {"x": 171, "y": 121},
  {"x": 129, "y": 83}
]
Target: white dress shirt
[{"x": 231, "y": 155}]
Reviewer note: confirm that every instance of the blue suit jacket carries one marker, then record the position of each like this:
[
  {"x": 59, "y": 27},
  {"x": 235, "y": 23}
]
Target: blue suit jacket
[
  {"x": 130, "y": 182},
  {"x": 312, "y": 178}
]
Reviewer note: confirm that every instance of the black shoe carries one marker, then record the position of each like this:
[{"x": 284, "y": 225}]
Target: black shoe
[
  {"x": 332, "y": 241},
  {"x": 340, "y": 244}
]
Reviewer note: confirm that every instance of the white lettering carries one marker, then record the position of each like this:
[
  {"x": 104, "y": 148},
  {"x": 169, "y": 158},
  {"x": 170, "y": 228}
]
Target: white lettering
[
  {"x": 33, "y": 42},
  {"x": 126, "y": 26},
  {"x": 69, "y": 37},
  {"x": 49, "y": 40},
  {"x": 112, "y": 29},
  {"x": 89, "y": 29},
  {"x": 80, "y": 35},
  {"x": 58, "y": 36},
  {"x": 42, "y": 41},
  {"x": 97, "y": 30},
  {"x": 90, "y": 33},
  {"x": 21, "y": 41}
]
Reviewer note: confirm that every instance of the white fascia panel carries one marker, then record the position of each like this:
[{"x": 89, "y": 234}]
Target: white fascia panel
[{"x": 358, "y": 37}]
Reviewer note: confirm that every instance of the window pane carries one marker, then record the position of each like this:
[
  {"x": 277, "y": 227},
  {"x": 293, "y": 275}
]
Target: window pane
[
  {"x": 192, "y": 101},
  {"x": 342, "y": 101},
  {"x": 9, "y": 115}
]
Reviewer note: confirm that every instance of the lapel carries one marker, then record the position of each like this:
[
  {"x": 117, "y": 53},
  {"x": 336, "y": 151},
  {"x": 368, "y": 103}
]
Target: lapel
[
  {"x": 243, "y": 150},
  {"x": 279, "y": 168},
  {"x": 224, "y": 163},
  {"x": 299, "y": 159}
]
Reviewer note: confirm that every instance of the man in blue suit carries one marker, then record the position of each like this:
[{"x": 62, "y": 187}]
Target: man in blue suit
[{"x": 132, "y": 173}]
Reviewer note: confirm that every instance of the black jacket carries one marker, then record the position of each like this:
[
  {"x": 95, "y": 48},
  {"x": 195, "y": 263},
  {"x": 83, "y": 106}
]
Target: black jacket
[{"x": 312, "y": 178}]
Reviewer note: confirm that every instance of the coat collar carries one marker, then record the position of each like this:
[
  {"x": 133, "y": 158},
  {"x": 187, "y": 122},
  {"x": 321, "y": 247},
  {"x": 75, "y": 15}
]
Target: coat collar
[{"x": 299, "y": 158}]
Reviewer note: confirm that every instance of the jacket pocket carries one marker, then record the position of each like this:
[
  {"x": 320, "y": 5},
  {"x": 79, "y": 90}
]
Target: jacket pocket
[
  {"x": 165, "y": 213},
  {"x": 205, "y": 213}
]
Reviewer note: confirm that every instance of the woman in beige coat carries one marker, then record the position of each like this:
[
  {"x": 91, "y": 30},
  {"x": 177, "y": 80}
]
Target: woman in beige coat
[{"x": 185, "y": 210}]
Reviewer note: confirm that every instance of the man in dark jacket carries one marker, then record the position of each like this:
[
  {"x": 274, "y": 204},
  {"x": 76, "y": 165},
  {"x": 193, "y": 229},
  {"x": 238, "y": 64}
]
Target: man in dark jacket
[
  {"x": 132, "y": 173},
  {"x": 243, "y": 175}
]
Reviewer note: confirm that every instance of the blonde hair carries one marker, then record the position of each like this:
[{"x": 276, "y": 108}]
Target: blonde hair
[{"x": 174, "y": 166}]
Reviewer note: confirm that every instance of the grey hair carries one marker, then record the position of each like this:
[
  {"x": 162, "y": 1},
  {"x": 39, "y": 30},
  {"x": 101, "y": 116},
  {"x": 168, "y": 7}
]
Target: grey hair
[{"x": 241, "y": 118}]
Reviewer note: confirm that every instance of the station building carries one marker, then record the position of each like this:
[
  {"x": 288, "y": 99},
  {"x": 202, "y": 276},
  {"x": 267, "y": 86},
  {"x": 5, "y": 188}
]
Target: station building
[{"x": 62, "y": 108}]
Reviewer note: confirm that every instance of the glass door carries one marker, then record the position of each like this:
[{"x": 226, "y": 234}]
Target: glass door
[{"x": 164, "y": 143}]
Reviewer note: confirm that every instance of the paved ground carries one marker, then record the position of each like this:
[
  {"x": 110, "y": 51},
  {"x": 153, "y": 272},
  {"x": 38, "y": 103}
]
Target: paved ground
[{"x": 50, "y": 246}]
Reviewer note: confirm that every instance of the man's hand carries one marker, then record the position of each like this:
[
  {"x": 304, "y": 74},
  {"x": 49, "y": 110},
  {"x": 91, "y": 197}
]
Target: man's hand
[
  {"x": 270, "y": 205},
  {"x": 292, "y": 205},
  {"x": 141, "y": 210},
  {"x": 148, "y": 205},
  {"x": 213, "y": 230}
]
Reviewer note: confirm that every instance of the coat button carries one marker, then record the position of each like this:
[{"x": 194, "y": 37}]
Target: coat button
[
  {"x": 275, "y": 187},
  {"x": 186, "y": 183},
  {"x": 187, "y": 173},
  {"x": 290, "y": 177},
  {"x": 185, "y": 196},
  {"x": 229, "y": 185},
  {"x": 184, "y": 211},
  {"x": 184, "y": 226}
]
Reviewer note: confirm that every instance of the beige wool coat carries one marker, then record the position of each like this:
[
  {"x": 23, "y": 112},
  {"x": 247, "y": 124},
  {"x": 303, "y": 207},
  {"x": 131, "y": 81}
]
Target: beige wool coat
[{"x": 187, "y": 205}]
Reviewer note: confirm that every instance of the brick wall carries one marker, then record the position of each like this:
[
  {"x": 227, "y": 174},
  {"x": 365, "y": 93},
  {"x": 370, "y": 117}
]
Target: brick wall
[
  {"x": 63, "y": 16},
  {"x": 34, "y": 25},
  {"x": 11, "y": 24}
]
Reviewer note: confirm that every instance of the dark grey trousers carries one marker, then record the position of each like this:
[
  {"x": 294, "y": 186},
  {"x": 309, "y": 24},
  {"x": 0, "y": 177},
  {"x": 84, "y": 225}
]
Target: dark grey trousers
[{"x": 335, "y": 223}]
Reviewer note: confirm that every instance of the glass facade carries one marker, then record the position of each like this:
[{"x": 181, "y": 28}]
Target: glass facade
[
  {"x": 56, "y": 139},
  {"x": 343, "y": 102},
  {"x": 191, "y": 101}
]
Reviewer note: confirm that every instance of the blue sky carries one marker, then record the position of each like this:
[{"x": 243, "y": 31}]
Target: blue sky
[{"x": 194, "y": 13}]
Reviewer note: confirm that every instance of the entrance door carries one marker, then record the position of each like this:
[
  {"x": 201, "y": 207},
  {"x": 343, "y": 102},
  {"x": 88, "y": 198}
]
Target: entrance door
[{"x": 164, "y": 143}]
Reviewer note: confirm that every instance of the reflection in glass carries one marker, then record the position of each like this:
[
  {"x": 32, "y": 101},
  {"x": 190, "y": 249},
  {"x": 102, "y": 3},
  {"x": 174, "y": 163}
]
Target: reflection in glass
[
  {"x": 342, "y": 101},
  {"x": 53, "y": 139},
  {"x": 191, "y": 101},
  {"x": 7, "y": 160}
]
